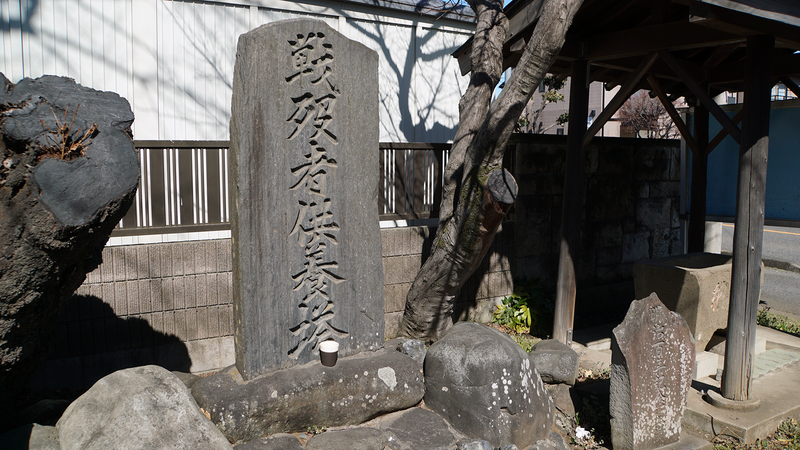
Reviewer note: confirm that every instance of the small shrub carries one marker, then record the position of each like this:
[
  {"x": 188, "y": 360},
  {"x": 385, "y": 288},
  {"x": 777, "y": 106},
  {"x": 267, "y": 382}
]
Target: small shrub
[
  {"x": 527, "y": 310},
  {"x": 774, "y": 321}
]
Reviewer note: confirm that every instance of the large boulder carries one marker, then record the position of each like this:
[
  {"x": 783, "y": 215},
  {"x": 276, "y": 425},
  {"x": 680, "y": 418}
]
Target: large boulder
[
  {"x": 484, "y": 385},
  {"x": 143, "y": 408},
  {"x": 356, "y": 389},
  {"x": 68, "y": 175}
]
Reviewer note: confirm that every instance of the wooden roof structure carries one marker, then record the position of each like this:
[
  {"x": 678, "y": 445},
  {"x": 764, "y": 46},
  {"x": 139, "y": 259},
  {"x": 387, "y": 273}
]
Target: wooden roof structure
[
  {"x": 695, "y": 49},
  {"x": 706, "y": 37}
]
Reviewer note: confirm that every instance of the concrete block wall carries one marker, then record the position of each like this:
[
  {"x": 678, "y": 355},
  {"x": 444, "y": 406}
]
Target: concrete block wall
[
  {"x": 631, "y": 211},
  {"x": 170, "y": 304}
]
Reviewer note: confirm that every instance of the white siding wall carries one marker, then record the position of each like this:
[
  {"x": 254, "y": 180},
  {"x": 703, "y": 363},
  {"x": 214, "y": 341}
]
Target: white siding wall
[{"x": 173, "y": 60}]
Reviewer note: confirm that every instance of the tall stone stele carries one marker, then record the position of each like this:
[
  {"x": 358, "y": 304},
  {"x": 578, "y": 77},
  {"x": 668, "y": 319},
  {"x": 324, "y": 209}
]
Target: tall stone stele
[
  {"x": 652, "y": 359},
  {"x": 304, "y": 181}
]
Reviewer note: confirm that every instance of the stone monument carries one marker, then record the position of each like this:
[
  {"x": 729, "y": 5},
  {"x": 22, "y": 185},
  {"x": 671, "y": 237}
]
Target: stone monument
[
  {"x": 304, "y": 182},
  {"x": 651, "y": 371}
]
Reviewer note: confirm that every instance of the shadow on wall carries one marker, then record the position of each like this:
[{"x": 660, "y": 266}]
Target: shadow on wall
[{"x": 92, "y": 342}]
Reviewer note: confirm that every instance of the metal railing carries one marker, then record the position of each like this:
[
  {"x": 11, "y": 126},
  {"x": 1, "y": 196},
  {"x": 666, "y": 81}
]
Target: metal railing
[{"x": 184, "y": 185}]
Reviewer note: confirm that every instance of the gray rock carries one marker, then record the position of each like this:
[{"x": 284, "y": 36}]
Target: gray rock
[
  {"x": 413, "y": 348},
  {"x": 652, "y": 361},
  {"x": 475, "y": 444},
  {"x": 555, "y": 361},
  {"x": 142, "y": 407},
  {"x": 356, "y": 389},
  {"x": 415, "y": 429},
  {"x": 189, "y": 379},
  {"x": 353, "y": 439},
  {"x": 278, "y": 441},
  {"x": 303, "y": 162},
  {"x": 32, "y": 436},
  {"x": 509, "y": 447},
  {"x": 484, "y": 385},
  {"x": 558, "y": 441}
]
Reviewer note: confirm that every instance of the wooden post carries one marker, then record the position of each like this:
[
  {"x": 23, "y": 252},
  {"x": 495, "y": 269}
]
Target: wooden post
[
  {"x": 747, "y": 236},
  {"x": 697, "y": 210},
  {"x": 572, "y": 202}
]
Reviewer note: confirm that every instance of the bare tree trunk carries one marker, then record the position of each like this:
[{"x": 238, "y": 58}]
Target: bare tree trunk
[{"x": 477, "y": 192}]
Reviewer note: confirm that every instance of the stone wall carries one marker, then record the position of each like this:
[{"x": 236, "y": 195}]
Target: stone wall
[
  {"x": 631, "y": 212},
  {"x": 170, "y": 304}
]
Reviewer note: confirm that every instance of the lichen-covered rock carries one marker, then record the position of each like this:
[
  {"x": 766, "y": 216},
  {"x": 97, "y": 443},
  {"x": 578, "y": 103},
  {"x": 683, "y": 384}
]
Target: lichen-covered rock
[
  {"x": 356, "y": 389},
  {"x": 144, "y": 408},
  {"x": 484, "y": 385}
]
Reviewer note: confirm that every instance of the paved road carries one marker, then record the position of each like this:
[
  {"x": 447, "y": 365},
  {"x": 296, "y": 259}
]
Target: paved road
[{"x": 781, "y": 289}]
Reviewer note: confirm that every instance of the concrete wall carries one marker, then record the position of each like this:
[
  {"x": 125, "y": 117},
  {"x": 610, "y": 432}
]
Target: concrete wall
[
  {"x": 170, "y": 304},
  {"x": 631, "y": 212}
]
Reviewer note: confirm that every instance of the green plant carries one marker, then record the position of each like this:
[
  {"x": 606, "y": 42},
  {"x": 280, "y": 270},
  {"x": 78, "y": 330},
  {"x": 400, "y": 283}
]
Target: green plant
[
  {"x": 514, "y": 313},
  {"x": 316, "y": 430},
  {"x": 528, "y": 303},
  {"x": 774, "y": 321}
]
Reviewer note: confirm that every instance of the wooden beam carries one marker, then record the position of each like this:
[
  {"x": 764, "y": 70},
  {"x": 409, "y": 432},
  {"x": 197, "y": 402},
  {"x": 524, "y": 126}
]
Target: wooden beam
[
  {"x": 624, "y": 92},
  {"x": 676, "y": 35},
  {"x": 723, "y": 133},
  {"x": 697, "y": 209},
  {"x": 791, "y": 85},
  {"x": 702, "y": 95},
  {"x": 572, "y": 203},
  {"x": 673, "y": 114},
  {"x": 751, "y": 21},
  {"x": 782, "y": 65},
  {"x": 719, "y": 55},
  {"x": 749, "y": 224}
]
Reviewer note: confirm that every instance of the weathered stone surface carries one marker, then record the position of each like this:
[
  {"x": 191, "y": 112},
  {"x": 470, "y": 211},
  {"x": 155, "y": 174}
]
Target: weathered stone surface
[
  {"x": 278, "y": 441},
  {"x": 696, "y": 286},
  {"x": 555, "y": 361},
  {"x": 414, "y": 429},
  {"x": 353, "y": 439},
  {"x": 651, "y": 371},
  {"x": 413, "y": 348},
  {"x": 31, "y": 437},
  {"x": 474, "y": 444},
  {"x": 58, "y": 205},
  {"x": 485, "y": 386},
  {"x": 304, "y": 184},
  {"x": 356, "y": 389},
  {"x": 142, "y": 407}
]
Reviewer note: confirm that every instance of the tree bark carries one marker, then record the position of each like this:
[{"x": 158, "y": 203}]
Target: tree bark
[
  {"x": 68, "y": 176},
  {"x": 470, "y": 214}
]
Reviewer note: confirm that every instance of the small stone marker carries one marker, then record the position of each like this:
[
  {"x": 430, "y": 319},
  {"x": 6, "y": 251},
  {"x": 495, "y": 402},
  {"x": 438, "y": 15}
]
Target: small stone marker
[
  {"x": 304, "y": 182},
  {"x": 651, "y": 371}
]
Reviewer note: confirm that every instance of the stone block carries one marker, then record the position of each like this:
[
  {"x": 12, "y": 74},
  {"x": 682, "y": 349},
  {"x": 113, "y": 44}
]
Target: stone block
[
  {"x": 696, "y": 286},
  {"x": 652, "y": 361},
  {"x": 356, "y": 389},
  {"x": 635, "y": 246},
  {"x": 705, "y": 365},
  {"x": 555, "y": 361},
  {"x": 653, "y": 213}
]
